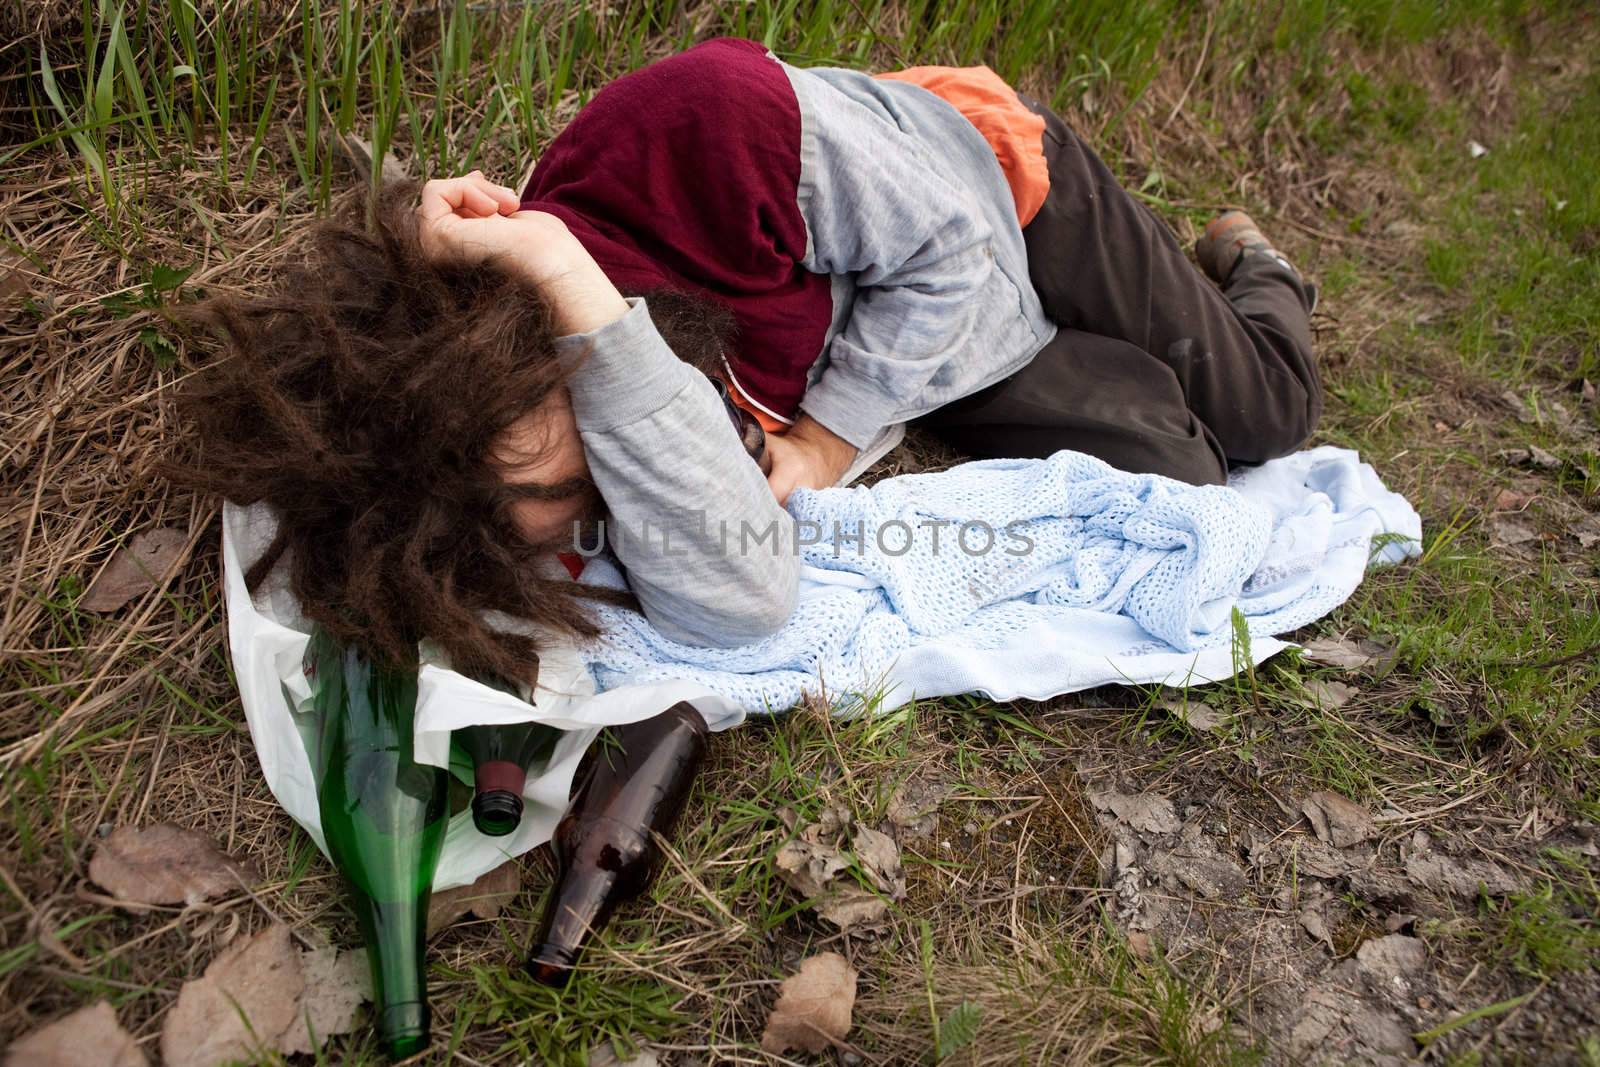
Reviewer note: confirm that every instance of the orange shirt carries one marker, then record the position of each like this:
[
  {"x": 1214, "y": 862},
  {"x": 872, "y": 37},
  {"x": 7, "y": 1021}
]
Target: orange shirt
[{"x": 1015, "y": 133}]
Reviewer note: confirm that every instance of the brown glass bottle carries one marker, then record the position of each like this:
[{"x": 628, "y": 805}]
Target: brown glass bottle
[{"x": 636, "y": 784}]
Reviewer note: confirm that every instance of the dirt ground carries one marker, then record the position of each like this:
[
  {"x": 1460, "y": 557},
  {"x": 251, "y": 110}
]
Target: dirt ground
[{"x": 1382, "y": 851}]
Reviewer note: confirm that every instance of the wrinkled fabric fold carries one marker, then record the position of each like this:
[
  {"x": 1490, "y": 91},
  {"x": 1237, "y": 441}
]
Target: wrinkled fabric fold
[{"x": 1095, "y": 576}]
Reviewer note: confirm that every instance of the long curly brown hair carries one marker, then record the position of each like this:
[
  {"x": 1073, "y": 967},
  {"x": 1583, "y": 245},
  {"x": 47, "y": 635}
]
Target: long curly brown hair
[{"x": 362, "y": 399}]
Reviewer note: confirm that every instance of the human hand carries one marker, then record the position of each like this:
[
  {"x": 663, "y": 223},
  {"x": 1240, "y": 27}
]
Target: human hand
[
  {"x": 809, "y": 455},
  {"x": 471, "y": 220}
]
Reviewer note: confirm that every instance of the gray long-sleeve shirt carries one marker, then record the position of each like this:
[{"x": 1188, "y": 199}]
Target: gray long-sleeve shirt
[
  {"x": 908, "y": 211},
  {"x": 708, "y": 551}
]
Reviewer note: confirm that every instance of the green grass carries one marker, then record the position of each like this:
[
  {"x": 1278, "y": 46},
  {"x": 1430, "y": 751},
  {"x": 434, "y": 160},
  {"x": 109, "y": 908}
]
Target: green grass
[
  {"x": 1519, "y": 248},
  {"x": 559, "y": 1027},
  {"x": 483, "y": 89},
  {"x": 1548, "y": 931},
  {"x": 217, "y": 113}
]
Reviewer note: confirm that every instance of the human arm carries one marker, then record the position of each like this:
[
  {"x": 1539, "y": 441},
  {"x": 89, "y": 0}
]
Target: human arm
[
  {"x": 659, "y": 445},
  {"x": 471, "y": 220},
  {"x": 662, "y": 452}
]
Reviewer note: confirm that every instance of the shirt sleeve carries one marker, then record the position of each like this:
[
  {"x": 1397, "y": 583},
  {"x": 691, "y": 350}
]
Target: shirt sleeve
[
  {"x": 877, "y": 205},
  {"x": 707, "y": 549}
]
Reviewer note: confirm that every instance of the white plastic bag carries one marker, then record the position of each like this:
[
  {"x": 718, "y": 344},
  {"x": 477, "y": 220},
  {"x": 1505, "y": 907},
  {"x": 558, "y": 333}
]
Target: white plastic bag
[{"x": 267, "y": 636}]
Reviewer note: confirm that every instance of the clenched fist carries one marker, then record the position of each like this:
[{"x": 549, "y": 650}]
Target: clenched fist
[{"x": 471, "y": 220}]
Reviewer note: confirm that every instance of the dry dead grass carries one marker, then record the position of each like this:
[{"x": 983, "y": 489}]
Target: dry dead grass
[{"x": 131, "y": 718}]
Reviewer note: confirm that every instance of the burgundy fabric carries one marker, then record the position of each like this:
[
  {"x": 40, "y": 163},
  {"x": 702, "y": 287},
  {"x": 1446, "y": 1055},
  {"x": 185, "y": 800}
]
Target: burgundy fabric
[{"x": 684, "y": 173}]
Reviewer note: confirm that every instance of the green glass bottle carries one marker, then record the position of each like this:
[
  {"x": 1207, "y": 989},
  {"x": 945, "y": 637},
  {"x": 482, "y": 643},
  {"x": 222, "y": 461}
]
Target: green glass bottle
[
  {"x": 501, "y": 757},
  {"x": 383, "y": 816}
]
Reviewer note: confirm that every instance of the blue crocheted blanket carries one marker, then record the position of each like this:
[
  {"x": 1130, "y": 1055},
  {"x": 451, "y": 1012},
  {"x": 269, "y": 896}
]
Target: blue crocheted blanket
[{"x": 1032, "y": 578}]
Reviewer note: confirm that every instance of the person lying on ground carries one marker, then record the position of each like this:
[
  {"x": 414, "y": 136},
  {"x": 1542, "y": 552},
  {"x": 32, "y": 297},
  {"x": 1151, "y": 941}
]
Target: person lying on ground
[{"x": 432, "y": 407}]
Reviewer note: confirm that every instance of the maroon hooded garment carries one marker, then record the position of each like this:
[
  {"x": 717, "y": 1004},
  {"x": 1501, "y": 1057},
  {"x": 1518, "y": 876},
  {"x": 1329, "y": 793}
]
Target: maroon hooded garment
[{"x": 685, "y": 174}]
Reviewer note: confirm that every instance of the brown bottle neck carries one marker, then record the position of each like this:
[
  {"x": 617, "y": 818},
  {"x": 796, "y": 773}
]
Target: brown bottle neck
[{"x": 581, "y": 905}]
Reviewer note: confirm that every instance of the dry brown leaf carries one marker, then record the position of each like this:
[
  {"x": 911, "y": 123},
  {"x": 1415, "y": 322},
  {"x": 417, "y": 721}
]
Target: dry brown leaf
[
  {"x": 1317, "y": 860},
  {"x": 89, "y": 1036},
  {"x": 1197, "y": 714},
  {"x": 247, "y": 997},
  {"x": 1391, "y": 957},
  {"x": 809, "y": 866},
  {"x": 879, "y": 858},
  {"x": 166, "y": 864},
  {"x": 605, "y": 1054},
  {"x": 1562, "y": 415},
  {"x": 14, "y": 278},
  {"x": 1521, "y": 410},
  {"x": 1329, "y": 696},
  {"x": 1511, "y": 500},
  {"x": 1146, "y": 812},
  {"x": 1333, "y": 1016},
  {"x": 852, "y": 909},
  {"x": 812, "y": 869},
  {"x": 1508, "y": 531},
  {"x": 1337, "y": 820},
  {"x": 830, "y": 824},
  {"x": 813, "y": 864},
  {"x": 1397, "y": 921},
  {"x": 1460, "y": 877},
  {"x": 135, "y": 568},
  {"x": 483, "y": 898},
  {"x": 914, "y": 809},
  {"x": 814, "y": 1006},
  {"x": 1213, "y": 877},
  {"x": 1532, "y": 456},
  {"x": 336, "y": 985},
  {"x": 1312, "y": 922},
  {"x": 1346, "y": 654},
  {"x": 1587, "y": 531},
  {"x": 359, "y": 152},
  {"x": 1543, "y": 460},
  {"x": 1139, "y": 944}
]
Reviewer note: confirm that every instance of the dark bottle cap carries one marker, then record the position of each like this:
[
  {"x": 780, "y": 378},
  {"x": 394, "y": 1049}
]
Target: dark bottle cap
[
  {"x": 403, "y": 1029},
  {"x": 496, "y": 812}
]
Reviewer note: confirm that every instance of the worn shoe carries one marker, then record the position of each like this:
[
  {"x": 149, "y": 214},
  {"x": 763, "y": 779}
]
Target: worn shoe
[
  {"x": 1227, "y": 238},
  {"x": 1230, "y": 237}
]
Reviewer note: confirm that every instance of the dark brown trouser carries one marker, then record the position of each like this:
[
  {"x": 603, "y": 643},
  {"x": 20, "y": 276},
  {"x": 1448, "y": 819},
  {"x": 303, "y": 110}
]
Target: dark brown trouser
[{"x": 1153, "y": 369}]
